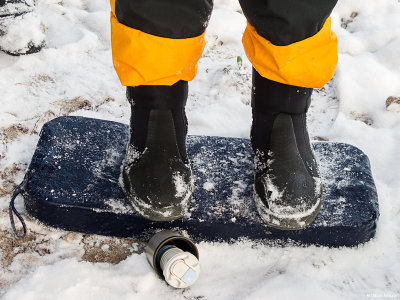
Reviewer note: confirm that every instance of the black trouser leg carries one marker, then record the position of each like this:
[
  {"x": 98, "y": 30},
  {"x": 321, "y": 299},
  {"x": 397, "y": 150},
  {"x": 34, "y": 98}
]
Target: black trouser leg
[{"x": 284, "y": 22}]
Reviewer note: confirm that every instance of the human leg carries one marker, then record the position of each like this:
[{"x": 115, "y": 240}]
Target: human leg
[
  {"x": 156, "y": 45},
  {"x": 293, "y": 50}
]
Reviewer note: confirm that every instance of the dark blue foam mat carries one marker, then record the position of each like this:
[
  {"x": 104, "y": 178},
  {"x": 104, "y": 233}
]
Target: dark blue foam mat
[{"x": 72, "y": 184}]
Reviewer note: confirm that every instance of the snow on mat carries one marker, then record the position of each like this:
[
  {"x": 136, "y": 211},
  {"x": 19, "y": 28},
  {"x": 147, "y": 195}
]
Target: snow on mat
[{"x": 72, "y": 184}]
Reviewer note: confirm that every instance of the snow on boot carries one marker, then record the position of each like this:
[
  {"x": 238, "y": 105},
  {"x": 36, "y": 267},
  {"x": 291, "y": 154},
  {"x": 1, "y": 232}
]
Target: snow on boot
[
  {"x": 156, "y": 175},
  {"x": 21, "y": 31},
  {"x": 288, "y": 191}
]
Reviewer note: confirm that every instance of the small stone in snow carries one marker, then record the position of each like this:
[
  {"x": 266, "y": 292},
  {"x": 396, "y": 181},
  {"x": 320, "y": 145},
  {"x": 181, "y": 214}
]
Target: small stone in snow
[{"x": 393, "y": 104}]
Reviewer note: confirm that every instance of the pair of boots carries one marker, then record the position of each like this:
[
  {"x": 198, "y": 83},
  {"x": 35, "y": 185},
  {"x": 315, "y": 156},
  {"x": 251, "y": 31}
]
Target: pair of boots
[
  {"x": 21, "y": 31},
  {"x": 156, "y": 175}
]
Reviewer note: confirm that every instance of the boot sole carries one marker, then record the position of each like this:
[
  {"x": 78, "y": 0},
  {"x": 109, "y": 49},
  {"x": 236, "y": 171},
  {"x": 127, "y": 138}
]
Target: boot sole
[{"x": 286, "y": 222}]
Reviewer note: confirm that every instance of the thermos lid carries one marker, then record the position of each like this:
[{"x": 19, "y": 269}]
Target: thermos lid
[{"x": 165, "y": 238}]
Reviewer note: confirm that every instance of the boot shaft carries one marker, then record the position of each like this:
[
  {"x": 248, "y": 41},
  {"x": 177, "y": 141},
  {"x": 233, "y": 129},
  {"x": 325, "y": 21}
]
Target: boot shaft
[
  {"x": 159, "y": 96},
  {"x": 270, "y": 98},
  {"x": 273, "y": 97},
  {"x": 149, "y": 102}
]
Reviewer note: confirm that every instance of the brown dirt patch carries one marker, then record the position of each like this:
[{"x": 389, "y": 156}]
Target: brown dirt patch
[
  {"x": 10, "y": 246},
  {"x": 109, "y": 250}
]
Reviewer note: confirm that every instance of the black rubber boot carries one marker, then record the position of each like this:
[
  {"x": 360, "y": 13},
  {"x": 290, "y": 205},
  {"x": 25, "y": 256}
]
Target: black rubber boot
[
  {"x": 21, "y": 30},
  {"x": 288, "y": 191},
  {"x": 156, "y": 175}
]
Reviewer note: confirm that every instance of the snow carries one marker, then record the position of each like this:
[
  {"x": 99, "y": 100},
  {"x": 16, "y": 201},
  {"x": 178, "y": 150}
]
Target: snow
[
  {"x": 73, "y": 75},
  {"x": 183, "y": 189},
  {"x": 208, "y": 186},
  {"x": 16, "y": 41}
]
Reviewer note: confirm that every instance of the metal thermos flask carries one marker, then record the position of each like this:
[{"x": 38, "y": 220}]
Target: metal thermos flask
[{"x": 174, "y": 257}]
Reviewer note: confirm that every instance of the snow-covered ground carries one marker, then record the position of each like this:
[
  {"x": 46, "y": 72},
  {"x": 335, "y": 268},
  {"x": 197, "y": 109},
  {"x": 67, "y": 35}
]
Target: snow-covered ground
[{"x": 74, "y": 75}]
